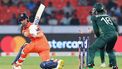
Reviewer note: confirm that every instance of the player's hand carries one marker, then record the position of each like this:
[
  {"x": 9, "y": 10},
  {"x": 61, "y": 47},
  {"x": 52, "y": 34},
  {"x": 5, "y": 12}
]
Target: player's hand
[
  {"x": 33, "y": 30},
  {"x": 26, "y": 34}
]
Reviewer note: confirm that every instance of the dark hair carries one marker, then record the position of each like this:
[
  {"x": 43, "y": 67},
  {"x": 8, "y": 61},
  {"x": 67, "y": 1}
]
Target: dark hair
[{"x": 22, "y": 16}]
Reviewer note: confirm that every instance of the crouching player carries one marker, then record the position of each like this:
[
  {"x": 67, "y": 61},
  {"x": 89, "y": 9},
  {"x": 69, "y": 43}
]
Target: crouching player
[
  {"x": 106, "y": 31},
  {"x": 39, "y": 44}
]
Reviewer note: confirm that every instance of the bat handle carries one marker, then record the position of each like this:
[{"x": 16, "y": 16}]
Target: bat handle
[{"x": 36, "y": 21}]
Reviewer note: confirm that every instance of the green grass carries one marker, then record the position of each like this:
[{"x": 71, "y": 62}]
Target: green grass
[{"x": 70, "y": 62}]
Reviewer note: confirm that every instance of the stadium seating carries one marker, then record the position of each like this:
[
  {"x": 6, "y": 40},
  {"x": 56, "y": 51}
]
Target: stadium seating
[
  {"x": 6, "y": 12},
  {"x": 83, "y": 12},
  {"x": 119, "y": 2}
]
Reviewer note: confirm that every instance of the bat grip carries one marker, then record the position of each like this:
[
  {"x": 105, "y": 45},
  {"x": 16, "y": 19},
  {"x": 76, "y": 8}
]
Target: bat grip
[{"x": 36, "y": 21}]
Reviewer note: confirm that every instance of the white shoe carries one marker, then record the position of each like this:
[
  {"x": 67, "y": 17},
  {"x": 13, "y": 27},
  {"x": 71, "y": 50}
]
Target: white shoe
[
  {"x": 16, "y": 67},
  {"x": 103, "y": 65},
  {"x": 60, "y": 64}
]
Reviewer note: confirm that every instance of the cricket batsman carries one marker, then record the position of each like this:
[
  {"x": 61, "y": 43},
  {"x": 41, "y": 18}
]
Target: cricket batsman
[
  {"x": 106, "y": 31},
  {"x": 39, "y": 44}
]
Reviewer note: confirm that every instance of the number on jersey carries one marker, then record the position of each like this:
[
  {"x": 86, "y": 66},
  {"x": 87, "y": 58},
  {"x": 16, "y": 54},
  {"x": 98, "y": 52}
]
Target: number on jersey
[{"x": 107, "y": 20}]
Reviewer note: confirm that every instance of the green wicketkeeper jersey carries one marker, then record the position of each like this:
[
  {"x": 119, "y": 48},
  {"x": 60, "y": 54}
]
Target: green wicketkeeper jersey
[{"x": 103, "y": 24}]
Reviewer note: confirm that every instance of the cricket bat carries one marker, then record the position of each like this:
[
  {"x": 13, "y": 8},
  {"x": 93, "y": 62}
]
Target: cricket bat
[
  {"x": 38, "y": 14},
  {"x": 33, "y": 28}
]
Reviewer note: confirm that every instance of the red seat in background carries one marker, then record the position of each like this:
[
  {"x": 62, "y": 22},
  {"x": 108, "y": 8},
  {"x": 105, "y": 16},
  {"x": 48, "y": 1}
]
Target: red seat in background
[
  {"x": 119, "y": 2},
  {"x": 83, "y": 12},
  {"x": 73, "y": 2},
  {"x": 59, "y": 4},
  {"x": 56, "y": 3},
  {"x": 5, "y": 14},
  {"x": 24, "y": 9},
  {"x": 14, "y": 10}
]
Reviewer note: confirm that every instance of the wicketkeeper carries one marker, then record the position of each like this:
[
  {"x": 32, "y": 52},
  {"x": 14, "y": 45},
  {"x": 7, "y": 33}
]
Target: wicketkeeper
[{"x": 106, "y": 31}]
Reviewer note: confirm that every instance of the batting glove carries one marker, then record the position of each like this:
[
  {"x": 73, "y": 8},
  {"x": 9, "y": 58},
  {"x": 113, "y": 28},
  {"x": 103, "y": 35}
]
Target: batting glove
[{"x": 33, "y": 30}]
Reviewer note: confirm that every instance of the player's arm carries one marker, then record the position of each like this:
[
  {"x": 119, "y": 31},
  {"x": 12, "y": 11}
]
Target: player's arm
[
  {"x": 35, "y": 31},
  {"x": 39, "y": 34},
  {"x": 95, "y": 27},
  {"x": 25, "y": 33},
  {"x": 116, "y": 27}
]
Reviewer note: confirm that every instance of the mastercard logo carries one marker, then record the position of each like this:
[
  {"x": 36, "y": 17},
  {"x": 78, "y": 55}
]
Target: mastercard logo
[{"x": 11, "y": 43}]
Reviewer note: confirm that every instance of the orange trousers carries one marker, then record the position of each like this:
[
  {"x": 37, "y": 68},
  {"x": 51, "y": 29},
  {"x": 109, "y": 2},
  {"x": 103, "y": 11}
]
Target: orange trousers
[{"x": 38, "y": 46}]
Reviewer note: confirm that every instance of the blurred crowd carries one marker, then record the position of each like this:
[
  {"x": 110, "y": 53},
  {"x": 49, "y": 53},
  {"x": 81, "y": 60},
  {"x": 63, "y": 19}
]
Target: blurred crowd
[{"x": 57, "y": 12}]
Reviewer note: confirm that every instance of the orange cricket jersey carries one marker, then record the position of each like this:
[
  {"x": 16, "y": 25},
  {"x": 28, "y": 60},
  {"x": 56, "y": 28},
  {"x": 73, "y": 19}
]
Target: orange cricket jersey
[{"x": 39, "y": 43}]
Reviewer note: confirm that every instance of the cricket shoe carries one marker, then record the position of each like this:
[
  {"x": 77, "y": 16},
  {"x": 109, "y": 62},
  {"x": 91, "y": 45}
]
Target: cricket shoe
[
  {"x": 16, "y": 67},
  {"x": 90, "y": 66},
  {"x": 103, "y": 65},
  {"x": 110, "y": 65},
  {"x": 115, "y": 67},
  {"x": 60, "y": 64}
]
